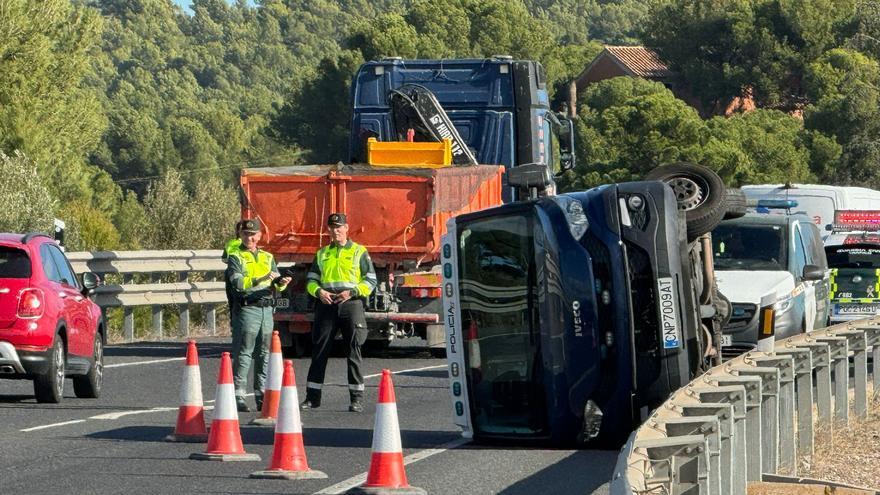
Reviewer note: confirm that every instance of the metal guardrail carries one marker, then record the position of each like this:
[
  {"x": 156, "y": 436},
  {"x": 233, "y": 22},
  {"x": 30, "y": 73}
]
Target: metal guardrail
[
  {"x": 752, "y": 415},
  {"x": 208, "y": 290}
]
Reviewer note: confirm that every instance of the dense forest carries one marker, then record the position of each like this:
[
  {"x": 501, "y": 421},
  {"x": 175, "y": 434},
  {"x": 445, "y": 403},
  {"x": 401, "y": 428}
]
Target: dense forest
[{"x": 130, "y": 119}]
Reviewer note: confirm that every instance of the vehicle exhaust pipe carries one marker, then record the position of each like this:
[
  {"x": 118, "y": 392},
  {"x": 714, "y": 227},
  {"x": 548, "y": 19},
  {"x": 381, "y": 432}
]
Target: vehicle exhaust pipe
[{"x": 7, "y": 369}]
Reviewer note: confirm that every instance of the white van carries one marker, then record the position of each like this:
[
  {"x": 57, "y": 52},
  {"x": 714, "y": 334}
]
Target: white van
[{"x": 816, "y": 200}]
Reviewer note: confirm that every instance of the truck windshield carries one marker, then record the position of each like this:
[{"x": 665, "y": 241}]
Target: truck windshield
[
  {"x": 749, "y": 247},
  {"x": 498, "y": 297}
]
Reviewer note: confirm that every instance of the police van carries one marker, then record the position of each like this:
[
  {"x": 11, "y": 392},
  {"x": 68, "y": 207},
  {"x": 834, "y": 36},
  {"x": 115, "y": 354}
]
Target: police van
[
  {"x": 853, "y": 251},
  {"x": 817, "y": 201}
]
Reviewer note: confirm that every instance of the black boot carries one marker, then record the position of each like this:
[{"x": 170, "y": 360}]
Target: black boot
[
  {"x": 313, "y": 399},
  {"x": 259, "y": 400},
  {"x": 242, "y": 404},
  {"x": 357, "y": 402}
]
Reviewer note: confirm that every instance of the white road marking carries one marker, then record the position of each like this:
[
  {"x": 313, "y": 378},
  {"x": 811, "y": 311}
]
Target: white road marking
[
  {"x": 344, "y": 486},
  {"x": 119, "y": 414},
  {"x": 407, "y": 371},
  {"x": 35, "y": 428},
  {"x": 138, "y": 363}
]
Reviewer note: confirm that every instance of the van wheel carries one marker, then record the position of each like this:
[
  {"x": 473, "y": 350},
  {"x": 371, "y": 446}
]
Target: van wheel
[
  {"x": 49, "y": 387},
  {"x": 700, "y": 193},
  {"x": 88, "y": 386},
  {"x": 736, "y": 203}
]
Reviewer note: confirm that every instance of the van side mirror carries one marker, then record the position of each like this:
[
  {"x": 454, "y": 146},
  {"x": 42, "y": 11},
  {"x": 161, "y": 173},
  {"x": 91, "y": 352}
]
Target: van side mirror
[
  {"x": 531, "y": 180},
  {"x": 566, "y": 144},
  {"x": 813, "y": 273}
]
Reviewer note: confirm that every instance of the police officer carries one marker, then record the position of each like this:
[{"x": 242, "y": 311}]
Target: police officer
[
  {"x": 341, "y": 278},
  {"x": 253, "y": 278}
]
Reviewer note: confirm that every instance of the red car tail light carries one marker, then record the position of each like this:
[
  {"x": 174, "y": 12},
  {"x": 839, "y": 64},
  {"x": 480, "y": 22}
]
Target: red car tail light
[{"x": 30, "y": 303}]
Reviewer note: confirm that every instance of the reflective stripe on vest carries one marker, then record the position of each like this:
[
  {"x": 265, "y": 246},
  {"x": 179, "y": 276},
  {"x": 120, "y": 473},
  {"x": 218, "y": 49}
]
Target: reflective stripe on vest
[{"x": 340, "y": 267}]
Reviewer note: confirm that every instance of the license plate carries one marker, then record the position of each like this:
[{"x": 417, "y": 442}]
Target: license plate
[
  {"x": 726, "y": 340},
  {"x": 669, "y": 328},
  {"x": 858, "y": 309},
  {"x": 282, "y": 302}
]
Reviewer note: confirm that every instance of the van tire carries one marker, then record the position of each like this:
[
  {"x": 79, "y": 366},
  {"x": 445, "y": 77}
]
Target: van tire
[
  {"x": 736, "y": 203},
  {"x": 700, "y": 193}
]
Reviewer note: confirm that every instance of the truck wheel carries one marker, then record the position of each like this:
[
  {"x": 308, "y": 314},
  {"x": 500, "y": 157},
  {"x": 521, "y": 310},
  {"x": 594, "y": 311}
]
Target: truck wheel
[
  {"x": 700, "y": 194},
  {"x": 302, "y": 345},
  {"x": 736, "y": 203}
]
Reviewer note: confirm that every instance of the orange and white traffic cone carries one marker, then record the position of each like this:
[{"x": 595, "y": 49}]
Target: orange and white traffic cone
[
  {"x": 288, "y": 455},
  {"x": 272, "y": 393},
  {"x": 386, "y": 475},
  {"x": 224, "y": 441},
  {"x": 191, "y": 414}
]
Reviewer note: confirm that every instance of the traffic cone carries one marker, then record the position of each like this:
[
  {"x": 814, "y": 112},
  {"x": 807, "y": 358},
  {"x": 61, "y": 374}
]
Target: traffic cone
[
  {"x": 386, "y": 475},
  {"x": 224, "y": 441},
  {"x": 191, "y": 415},
  {"x": 272, "y": 394},
  {"x": 288, "y": 455}
]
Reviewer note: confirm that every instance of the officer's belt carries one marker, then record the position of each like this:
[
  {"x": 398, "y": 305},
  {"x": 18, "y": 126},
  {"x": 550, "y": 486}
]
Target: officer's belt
[{"x": 262, "y": 302}]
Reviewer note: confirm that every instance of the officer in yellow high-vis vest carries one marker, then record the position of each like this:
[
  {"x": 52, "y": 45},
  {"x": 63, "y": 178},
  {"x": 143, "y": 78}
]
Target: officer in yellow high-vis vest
[
  {"x": 341, "y": 278},
  {"x": 253, "y": 278}
]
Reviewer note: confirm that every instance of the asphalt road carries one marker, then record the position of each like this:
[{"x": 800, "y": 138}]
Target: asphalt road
[{"x": 115, "y": 444}]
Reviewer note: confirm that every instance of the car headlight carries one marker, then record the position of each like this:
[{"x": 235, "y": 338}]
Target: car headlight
[
  {"x": 592, "y": 420},
  {"x": 783, "y": 305}
]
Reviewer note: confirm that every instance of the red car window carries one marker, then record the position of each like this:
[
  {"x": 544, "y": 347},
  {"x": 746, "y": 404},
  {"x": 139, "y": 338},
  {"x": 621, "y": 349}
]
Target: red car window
[
  {"x": 14, "y": 263},
  {"x": 50, "y": 268}
]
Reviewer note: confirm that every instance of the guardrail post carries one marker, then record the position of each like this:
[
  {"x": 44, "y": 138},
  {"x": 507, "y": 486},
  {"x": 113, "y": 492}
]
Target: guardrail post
[
  {"x": 157, "y": 311},
  {"x": 840, "y": 360},
  {"x": 769, "y": 413},
  {"x": 857, "y": 343},
  {"x": 678, "y": 464},
  {"x": 723, "y": 413},
  {"x": 803, "y": 370},
  {"x": 752, "y": 385},
  {"x": 183, "y": 311},
  {"x": 734, "y": 397},
  {"x": 872, "y": 340},
  {"x": 786, "y": 452},
  {"x": 127, "y": 315},
  {"x": 708, "y": 427}
]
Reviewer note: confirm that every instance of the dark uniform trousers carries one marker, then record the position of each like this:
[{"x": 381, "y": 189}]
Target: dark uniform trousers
[{"x": 349, "y": 318}]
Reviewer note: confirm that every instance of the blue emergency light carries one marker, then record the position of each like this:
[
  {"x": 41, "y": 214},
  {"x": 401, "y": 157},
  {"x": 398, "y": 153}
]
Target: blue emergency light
[{"x": 777, "y": 203}]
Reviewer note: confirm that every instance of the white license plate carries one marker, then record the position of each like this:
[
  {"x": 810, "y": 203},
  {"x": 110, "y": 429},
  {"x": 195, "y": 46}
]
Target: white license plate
[
  {"x": 858, "y": 309},
  {"x": 726, "y": 340},
  {"x": 282, "y": 302}
]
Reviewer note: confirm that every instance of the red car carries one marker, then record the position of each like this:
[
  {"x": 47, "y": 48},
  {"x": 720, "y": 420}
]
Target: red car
[{"x": 49, "y": 327}]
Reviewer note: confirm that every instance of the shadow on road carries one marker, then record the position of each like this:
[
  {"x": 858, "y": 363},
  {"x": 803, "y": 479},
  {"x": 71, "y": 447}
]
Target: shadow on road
[
  {"x": 262, "y": 435},
  {"x": 587, "y": 470},
  {"x": 164, "y": 349}
]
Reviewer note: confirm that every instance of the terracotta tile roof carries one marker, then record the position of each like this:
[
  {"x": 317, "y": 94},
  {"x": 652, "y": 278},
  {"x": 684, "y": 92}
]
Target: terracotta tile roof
[{"x": 641, "y": 61}]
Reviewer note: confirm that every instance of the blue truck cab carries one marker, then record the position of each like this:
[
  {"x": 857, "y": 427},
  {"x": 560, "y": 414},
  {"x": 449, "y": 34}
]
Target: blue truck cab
[
  {"x": 499, "y": 106},
  {"x": 568, "y": 317}
]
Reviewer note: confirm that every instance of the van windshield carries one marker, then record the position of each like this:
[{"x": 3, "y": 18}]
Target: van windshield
[
  {"x": 498, "y": 308},
  {"x": 749, "y": 247},
  {"x": 861, "y": 257}
]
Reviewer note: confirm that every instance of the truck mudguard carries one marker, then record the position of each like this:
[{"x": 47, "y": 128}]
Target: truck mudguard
[{"x": 415, "y": 107}]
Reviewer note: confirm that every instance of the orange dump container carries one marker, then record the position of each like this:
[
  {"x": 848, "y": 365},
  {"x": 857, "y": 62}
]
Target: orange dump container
[
  {"x": 409, "y": 154},
  {"x": 398, "y": 214}
]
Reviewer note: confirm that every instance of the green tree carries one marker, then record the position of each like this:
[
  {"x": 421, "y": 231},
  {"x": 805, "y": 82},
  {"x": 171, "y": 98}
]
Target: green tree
[
  {"x": 47, "y": 109},
  {"x": 25, "y": 202}
]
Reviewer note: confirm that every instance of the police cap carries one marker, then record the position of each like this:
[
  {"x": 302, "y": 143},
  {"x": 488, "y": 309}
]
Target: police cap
[
  {"x": 251, "y": 225},
  {"x": 336, "y": 220}
]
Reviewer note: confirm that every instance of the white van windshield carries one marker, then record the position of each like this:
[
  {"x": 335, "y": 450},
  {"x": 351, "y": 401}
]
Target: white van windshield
[{"x": 749, "y": 247}]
